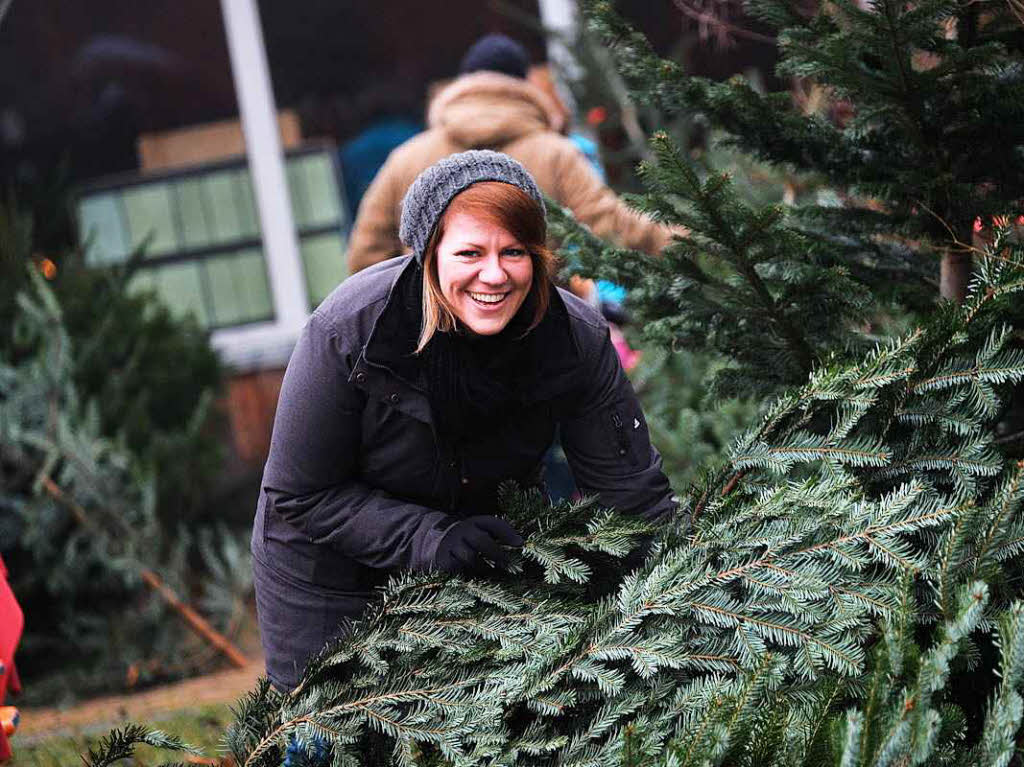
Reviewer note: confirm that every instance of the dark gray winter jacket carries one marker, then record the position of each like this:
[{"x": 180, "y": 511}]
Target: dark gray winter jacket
[{"x": 356, "y": 485}]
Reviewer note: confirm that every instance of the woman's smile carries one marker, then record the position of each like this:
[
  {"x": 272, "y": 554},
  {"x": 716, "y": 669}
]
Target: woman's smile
[{"x": 490, "y": 299}]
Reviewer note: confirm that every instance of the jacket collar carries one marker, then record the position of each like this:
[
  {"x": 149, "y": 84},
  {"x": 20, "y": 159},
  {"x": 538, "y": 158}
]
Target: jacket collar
[
  {"x": 388, "y": 369},
  {"x": 392, "y": 342}
]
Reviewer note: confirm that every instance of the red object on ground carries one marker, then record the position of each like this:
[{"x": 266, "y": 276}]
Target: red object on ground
[{"x": 12, "y": 621}]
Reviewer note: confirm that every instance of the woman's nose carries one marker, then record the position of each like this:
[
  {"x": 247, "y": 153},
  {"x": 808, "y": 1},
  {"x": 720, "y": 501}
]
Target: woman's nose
[{"x": 492, "y": 271}]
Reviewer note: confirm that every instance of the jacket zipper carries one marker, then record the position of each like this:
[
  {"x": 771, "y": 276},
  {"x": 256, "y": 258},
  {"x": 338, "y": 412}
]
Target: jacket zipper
[{"x": 620, "y": 434}]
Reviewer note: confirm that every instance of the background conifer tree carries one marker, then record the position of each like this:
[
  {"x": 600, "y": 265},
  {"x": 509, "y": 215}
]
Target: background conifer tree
[
  {"x": 932, "y": 138},
  {"x": 133, "y": 390},
  {"x": 80, "y": 528}
]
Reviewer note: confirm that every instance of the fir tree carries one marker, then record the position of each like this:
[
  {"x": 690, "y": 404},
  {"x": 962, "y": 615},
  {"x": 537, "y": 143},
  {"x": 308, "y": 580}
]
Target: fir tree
[
  {"x": 935, "y": 138},
  {"x": 120, "y": 744},
  {"x": 690, "y": 431},
  {"x": 78, "y": 509},
  {"x": 745, "y": 284},
  {"x": 121, "y": 342},
  {"x": 88, "y": 393}
]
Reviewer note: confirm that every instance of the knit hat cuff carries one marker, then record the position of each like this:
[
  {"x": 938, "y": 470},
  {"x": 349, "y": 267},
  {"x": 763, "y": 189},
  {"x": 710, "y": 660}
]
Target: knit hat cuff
[{"x": 434, "y": 189}]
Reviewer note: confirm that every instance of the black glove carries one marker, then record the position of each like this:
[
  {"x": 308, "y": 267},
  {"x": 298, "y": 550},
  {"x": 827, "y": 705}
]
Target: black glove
[{"x": 467, "y": 541}]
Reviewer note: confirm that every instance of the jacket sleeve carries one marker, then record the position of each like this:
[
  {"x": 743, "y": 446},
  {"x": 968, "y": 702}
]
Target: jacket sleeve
[
  {"x": 607, "y": 443},
  {"x": 374, "y": 236},
  {"x": 311, "y": 478},
  {"x": 597, "y": 206}
]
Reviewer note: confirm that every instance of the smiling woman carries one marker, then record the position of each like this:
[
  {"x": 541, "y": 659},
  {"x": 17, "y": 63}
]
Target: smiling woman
[{"x": 420, "y": 385}]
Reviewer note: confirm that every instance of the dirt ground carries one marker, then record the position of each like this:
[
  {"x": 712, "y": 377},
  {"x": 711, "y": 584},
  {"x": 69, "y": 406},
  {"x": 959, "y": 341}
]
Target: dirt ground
[{"x": 101, "y": 713}]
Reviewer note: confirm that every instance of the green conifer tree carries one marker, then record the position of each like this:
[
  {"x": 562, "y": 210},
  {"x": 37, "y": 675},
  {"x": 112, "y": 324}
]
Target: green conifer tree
[
  {"x": 935, "y": 132},
  {"x": 746, "y": 283},
  {"x": 79, "y": 525}
]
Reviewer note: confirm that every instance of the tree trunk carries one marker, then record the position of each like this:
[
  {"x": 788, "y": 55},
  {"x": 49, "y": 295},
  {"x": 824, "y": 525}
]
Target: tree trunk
[
  {"x": 192, "y": 619},
  {"x": 954, "y": 276}
]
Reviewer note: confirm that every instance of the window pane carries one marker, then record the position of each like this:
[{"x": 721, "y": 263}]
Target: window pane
[
  {"x": 179, "y": 286},
  {"x": 150, "y": 218},
  {"x": 323, "y": 257},
  {"x": 221, "y": 197},
  {"x": 251, "y": 279},
  {"x": 316, "y": 202},
  {"x": 238, "y": 288},
  {"x": 102, "y": 229},
  {"x": 297, "y": 192},
  {"x": 247, "y": 206},
  {"x": 195, "y": 228}
]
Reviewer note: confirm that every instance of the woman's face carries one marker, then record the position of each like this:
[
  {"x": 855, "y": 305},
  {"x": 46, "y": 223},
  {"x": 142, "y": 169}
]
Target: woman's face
[{"x": 485, "y": 273}]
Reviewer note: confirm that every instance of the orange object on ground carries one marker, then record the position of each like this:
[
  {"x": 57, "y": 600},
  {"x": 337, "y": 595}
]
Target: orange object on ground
[
  {"x": 9, "y": 717},
  {"x": 12, "y": 621}
]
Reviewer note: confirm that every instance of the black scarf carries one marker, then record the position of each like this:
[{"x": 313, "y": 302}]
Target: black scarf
[
  {"x": 469, "y": 379},
  {"x": 478, "y": 380},
  {"x": 475, "y": 381}
]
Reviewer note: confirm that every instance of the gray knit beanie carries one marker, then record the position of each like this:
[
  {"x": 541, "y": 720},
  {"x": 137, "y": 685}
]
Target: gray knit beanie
[{"x": 432, "y": 191}]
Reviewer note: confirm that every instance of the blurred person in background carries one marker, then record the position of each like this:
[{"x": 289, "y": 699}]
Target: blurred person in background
[
  {"x": 492, "y": 105},
  {"x": 389, "y": 116}
]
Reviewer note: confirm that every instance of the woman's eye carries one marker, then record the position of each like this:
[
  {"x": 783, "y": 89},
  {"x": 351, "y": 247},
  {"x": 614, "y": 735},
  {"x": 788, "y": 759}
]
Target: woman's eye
[
  {"x": 514, "y": 252},
  {"x": 469, "y": 253}
]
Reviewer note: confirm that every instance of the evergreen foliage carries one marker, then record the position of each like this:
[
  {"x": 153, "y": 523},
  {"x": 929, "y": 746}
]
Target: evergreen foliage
[
  {"x": 120, "y": 744},
  {"x": 151, "y": 377},
  {"x": 132, "y": 392},
  {"x": 745, "y": 284},
  {"x": 934, "y": 138},
  {"x": 78, "y": 523},
  {"x": 691, "y": 429}
]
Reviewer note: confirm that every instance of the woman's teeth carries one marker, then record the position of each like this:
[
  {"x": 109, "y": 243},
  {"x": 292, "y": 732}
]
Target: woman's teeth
[{"x": 488, "y": 298}]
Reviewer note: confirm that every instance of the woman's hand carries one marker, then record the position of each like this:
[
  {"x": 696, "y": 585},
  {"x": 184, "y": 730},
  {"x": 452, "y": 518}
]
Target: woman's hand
[{"x": 470, "y": 541}]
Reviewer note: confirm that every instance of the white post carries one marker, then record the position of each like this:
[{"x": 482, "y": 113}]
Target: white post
[
  {"x": 559, "y": 16},
  {"x": 266, "y": 162},
  {"x": 5, "y": 6}
]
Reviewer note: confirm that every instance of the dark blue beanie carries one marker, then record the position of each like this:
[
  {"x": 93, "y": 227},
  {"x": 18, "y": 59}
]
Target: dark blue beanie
[{"x": 496, "y": 53}]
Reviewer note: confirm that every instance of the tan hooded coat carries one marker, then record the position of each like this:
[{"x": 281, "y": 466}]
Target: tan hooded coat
[{"x": 488, "y": 110}]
